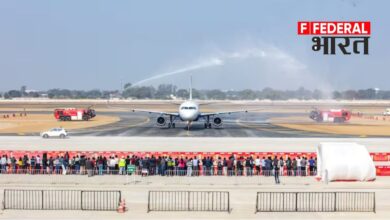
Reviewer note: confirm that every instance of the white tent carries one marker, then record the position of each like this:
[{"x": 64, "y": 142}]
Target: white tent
[{"x": 344, "y": 161}]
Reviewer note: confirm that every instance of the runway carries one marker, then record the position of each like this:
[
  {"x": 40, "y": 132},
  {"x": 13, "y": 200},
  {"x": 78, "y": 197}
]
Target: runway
[
  {"x": 264, "y": 119},
  {"x": 236, "y": 125}
]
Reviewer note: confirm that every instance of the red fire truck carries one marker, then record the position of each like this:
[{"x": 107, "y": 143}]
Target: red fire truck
[
  {"x": 331, "y": 115},
  {"x": 74, "y": 114}
]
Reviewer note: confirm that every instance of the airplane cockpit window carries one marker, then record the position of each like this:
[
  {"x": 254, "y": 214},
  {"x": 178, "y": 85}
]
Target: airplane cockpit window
[{"x": 186, "y": 107}]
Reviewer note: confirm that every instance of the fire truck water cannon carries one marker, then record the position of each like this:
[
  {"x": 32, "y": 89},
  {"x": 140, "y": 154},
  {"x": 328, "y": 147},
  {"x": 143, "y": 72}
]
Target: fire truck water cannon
[
  {"x": 331, "y": 115},
  {"x": 74, "y": 114}
]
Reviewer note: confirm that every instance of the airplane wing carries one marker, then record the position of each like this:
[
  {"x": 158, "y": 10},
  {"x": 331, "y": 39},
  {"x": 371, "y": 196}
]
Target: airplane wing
[
  {"x": 221, "y": 113},
  {"x": 156, "y": 112}
]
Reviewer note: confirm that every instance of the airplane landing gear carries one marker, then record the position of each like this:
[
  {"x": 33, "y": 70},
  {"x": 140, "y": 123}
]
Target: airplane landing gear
[
  {"x": 171, "y": 123},
  {"x": 207, "y": 124}
]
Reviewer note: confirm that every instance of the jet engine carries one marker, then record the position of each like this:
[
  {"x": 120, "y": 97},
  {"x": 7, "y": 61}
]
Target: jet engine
[
  {"x": 217, "y": 121},
  {"x": 161, "y": 121}
]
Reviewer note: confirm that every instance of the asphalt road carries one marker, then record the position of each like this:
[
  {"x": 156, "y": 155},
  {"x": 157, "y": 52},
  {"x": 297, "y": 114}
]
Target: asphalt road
[{"x": 234, "y": 125}]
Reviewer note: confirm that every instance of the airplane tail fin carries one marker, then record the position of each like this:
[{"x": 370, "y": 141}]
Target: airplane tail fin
[{"x": 191, "y": 87}]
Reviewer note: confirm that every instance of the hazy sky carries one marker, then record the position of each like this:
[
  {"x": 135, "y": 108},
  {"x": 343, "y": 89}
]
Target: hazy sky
[{"x": 225, "y": 44}]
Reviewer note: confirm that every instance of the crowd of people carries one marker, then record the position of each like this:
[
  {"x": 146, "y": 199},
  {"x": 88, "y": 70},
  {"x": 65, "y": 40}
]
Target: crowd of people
[{"x": 159, "y": 165}]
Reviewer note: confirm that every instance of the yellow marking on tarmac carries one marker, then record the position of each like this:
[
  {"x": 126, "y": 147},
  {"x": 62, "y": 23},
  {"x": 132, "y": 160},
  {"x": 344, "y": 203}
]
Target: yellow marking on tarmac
[
  {"x": 238, "y": 121},
  {"x": 141, "y": 123},
  {"x": 259, "y": 129}
]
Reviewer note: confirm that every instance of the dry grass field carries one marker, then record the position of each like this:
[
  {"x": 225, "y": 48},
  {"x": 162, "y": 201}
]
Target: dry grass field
[{"x": 42, "y": 122}]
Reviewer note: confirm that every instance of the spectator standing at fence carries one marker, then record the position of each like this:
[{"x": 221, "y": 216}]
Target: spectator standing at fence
[
  {"x": 56, "y": 164},
  {"x": 163, "y": 166},
  {"x": 195, "y": 166},
  {"x": 122, "y": 166},
  {"x": 20, "y": 163},
  {"x": 281, "y": 166},
  {"x": 116, "y": 166},
  {"x": 44, "y": 163},
  {"x": 189, "y": 167},
  {"x": 276, "y": 167},
  {"x": 153, "y": 163},
  {"x": 13, "y": 164},
  {"x": 83, "y": 164},
  {"x": 311, "y": 166},
  {"x": 32, "y": 165},
  {"x": 99, "y": 163},
  {"x": 295, "y": 166},
  {"x": 3, "y": 163},
  {"x": 268, "y": 166},
  {"x": 299, "y": 165},
  {"x": 289, "y": 166},
  {"x": 303, "y": 166},
  {"x": 25, "y": 162},
  {"x": 50, "y": 165},
  {"x": 263, "y": 165},
  {"x": 248, "y": 166},
  {"x": 77, "y": 164},
  {"x": 219, "y": 166},
  {"x": 89, "y": 167},
  {"x": 224, "y": 163},
  {"x": 38, "y": 163},
  {"x": 111, "y": 165},
  {"x": 257, "y": 165}
]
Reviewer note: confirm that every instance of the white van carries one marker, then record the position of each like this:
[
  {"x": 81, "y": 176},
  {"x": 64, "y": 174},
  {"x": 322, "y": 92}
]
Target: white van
[{"x": 386, "y": 112}]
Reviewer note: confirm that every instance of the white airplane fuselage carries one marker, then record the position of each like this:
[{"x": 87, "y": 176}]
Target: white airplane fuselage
[{"x": 189, "y": 111}]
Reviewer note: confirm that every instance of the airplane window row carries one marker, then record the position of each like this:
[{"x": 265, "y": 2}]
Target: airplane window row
[{"x": 188, "y": 107}]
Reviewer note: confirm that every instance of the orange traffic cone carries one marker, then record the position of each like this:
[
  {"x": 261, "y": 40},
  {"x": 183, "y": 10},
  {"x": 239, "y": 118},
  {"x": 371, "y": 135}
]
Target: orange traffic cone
[{"x": 122, "y": 206}]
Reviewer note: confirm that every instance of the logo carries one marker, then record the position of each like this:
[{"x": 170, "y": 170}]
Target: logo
[{"x": 330, "y": 35}]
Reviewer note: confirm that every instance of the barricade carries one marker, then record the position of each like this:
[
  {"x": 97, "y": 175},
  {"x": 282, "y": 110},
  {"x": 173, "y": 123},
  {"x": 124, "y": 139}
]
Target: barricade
[
  {"x": 315, "y": 202},
  {"x": 211, "y": 201},
  {"x": 22, "y": 199}
]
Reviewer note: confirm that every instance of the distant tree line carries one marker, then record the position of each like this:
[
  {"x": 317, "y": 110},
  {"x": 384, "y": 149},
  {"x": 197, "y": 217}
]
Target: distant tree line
[{"x": 168, "y": 91}]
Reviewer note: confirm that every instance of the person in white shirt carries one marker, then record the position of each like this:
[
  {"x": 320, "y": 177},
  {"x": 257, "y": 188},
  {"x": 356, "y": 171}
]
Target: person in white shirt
[
  {"x": 38, "y": 163},
  {"x": 195, "y": 165},
  {"x": 299, "y": 166},
  {"x": 3, "y": 163},
  {"x": 263, "y": 165},
  {"x": 257, "y": 165},
  {"x": 111, "y": 165}
]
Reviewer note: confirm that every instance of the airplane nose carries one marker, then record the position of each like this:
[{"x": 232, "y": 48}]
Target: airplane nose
[{"x": 188, "y": 116}]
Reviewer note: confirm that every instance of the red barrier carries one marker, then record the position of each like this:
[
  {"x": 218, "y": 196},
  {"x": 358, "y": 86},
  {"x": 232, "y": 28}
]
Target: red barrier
[
  {"x": 380, "y": 156},
  {"x": 284, "y": 155},
  {"x": 382, "y": 170}
]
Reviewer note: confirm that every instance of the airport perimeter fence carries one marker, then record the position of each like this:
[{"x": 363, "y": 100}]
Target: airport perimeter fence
[
  {"x": 154, "y": 172},
  {"x": 22, "y": 199},
  {"x": 210, "y": 201},
  {"x": 315, "y": 202}
]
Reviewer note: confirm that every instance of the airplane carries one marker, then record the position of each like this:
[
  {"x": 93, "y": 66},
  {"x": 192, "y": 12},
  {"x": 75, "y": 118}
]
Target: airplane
[{"x": 189, "y": 112}]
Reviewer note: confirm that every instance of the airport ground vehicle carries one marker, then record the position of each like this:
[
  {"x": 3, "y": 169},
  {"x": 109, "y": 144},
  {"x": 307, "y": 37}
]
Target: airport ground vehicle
[
  {"x": 55, "y": 132},
  {"x": 386, "y": 112},
  {"x": 331, "y": 115},
  {"x": 74, "y": 114}
]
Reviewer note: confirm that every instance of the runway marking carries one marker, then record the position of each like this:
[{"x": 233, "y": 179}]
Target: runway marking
[
  {"x": 260, "y": 129},
  {"x": 141, "y": 123}
]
